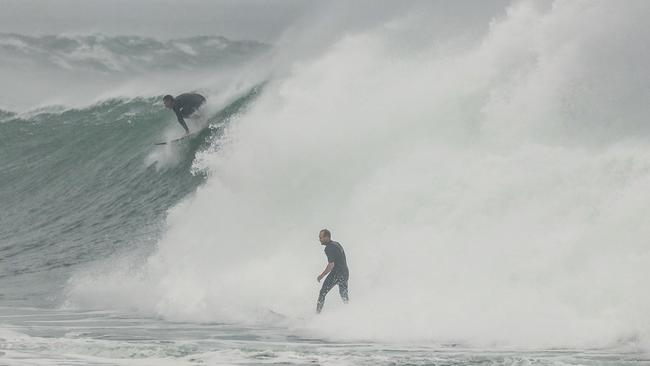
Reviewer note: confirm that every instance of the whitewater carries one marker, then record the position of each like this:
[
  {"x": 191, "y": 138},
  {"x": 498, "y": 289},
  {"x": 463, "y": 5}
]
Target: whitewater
[{"x": 488, "y": 183}]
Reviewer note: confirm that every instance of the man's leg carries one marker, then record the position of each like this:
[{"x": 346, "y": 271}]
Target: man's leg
[
  {"x": 329, "y": 282},
  {"x": 343, "y": 290}
]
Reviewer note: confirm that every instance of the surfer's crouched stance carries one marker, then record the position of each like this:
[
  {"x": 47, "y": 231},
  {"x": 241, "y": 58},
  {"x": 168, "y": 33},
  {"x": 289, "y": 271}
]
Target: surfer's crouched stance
[
  {"x": 184, "y": 106},
  {"x": 337, "y": 268}
]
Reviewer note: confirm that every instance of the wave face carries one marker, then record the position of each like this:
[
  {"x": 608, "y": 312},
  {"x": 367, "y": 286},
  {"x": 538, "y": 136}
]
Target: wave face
[
  {"x": 489, "y": 189},
  {"x": 84, "y": 184}
]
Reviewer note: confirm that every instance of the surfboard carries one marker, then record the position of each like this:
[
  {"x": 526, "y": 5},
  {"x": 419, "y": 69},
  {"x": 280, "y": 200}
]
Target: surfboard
[
  {"x": 178, "y": 139},
  {"x": 207, "y": 124}
]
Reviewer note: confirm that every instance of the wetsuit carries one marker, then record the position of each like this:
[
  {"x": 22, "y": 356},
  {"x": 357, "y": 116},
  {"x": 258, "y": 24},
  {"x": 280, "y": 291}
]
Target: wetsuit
[
  {"x": 185, "y": 105},
  {"x": 338, "y": 276}
]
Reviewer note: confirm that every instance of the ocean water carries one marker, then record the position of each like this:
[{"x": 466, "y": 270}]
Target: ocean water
[
  {"x": 486, "y": 175},
  {"x": 57, "y": 337}
]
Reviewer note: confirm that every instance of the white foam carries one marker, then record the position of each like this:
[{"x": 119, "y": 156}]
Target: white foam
[{"x": 490, "y": 192}]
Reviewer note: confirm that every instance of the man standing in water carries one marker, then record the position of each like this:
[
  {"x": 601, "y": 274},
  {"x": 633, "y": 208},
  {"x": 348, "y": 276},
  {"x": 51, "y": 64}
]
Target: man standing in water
[
  {"x": 337, "y": 268},
  {"x": 184, "y": 106}
]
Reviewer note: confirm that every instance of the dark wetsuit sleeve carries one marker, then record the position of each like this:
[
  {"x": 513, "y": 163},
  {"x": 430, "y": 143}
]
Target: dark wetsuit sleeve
[
  {"x": 331, "y": 255},
  {"x": 179, "y": 115}
]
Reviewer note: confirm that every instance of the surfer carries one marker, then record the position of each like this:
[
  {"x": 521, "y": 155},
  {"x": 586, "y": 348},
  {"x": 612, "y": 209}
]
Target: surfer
[
  {"x": 184, "y": 105},
  {"x": 337, "y": 268}
]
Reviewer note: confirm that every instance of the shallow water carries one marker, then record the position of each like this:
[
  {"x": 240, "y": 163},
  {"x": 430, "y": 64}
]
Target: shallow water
[{"x": 30, "y": 336}]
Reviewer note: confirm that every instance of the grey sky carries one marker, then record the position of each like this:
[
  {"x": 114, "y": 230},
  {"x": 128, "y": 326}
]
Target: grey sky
[{"x": 236, "y": 19}]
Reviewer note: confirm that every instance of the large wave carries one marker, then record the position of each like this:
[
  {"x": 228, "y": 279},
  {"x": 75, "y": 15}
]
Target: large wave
[
  {"x": 489, "y": 190},
  {"x": 84, "y": 184}
]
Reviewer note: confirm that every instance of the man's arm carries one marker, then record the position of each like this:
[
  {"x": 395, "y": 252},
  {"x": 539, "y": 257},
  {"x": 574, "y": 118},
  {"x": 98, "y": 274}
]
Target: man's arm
[
  {"x": 327, "y": 270},
  {"x": 182, "y": 121}
]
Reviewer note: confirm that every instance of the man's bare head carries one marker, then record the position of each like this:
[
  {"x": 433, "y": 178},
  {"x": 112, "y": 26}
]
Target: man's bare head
[
  {"x": 169, "y": 101},
  {"x": 324, "y": 236}
]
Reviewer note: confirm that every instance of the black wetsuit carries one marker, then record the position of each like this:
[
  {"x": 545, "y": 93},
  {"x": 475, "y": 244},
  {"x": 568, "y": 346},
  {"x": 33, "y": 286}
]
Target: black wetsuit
[
  {"x": 185, "y": 105},
  {"x": 338, "y": 276}
]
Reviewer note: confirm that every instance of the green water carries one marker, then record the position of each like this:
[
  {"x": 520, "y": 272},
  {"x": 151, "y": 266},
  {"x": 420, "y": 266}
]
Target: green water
[{"x": 82, "y": 185}]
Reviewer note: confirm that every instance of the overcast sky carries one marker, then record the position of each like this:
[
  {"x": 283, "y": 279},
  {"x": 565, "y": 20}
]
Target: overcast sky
[{"x": 262, "y": 20}]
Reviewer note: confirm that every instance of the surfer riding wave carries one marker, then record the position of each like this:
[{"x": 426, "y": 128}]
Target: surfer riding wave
[{"x": 184, "y": 106}]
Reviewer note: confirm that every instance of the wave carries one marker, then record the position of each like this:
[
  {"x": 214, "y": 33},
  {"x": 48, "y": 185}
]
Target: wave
[
  {"x": 488, "y": 192},
  {"x": 6, "y": 115},
  {"x": 121, "y": 54},
  {"x": 76, "y": 71},
  {"x": 80, "y": 184}
]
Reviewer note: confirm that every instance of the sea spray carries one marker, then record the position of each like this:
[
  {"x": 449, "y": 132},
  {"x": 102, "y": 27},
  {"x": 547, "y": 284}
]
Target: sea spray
[{"x": 489, "y": 193}]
